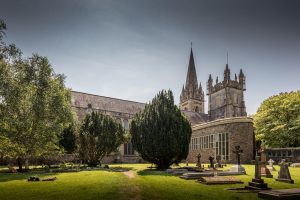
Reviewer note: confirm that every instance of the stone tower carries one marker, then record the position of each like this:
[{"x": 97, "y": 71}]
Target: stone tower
[
  {"x": 226, "y": 98},
  {"x": 192, "y": 96}
]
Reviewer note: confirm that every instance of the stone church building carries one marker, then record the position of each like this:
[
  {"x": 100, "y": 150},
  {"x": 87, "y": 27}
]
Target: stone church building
[{"x": 217, "y": 132}]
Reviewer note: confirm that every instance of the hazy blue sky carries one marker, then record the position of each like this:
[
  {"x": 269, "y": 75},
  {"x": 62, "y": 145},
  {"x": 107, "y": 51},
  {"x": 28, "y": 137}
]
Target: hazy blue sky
[{"x": 131, "y": 49}]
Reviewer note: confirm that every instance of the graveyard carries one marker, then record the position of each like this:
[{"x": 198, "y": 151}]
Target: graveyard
[{"x": 140, "y": 182}]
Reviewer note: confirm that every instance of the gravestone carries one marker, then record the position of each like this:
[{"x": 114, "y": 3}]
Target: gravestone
[
  {"x": 219, "y": 164},
  {"x": 265, "y": 172},
  {"x": 223, "y": 161},
  {"x": 196, "y": 175},
  {"x": 199, "y": 161},
  {"x": 238, "y": 167},
  {"x": 211, "y": 161},
  {"x": 285, "y": 194},
  {"x": 271, "y": 167},
  {"x": 186, "y": 163},
  {"x": 284, "y": 172},
  {"x": 176, "y": 171},
  {"x": 219, "y": 180},
  {"x": 295, "y": 165},
  {"x": 257, "y": 183}
]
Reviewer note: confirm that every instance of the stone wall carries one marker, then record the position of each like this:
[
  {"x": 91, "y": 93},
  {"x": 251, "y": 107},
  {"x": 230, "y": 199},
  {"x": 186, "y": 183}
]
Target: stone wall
[
  {"x": 121, "y": 110},
  {"x": 240, "y": 131}
]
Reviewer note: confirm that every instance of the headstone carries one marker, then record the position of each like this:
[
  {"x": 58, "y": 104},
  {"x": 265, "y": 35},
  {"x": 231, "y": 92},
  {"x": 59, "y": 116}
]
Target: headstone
[
  {"x": 271, "y": 167},
  {"x": 295, "y": 165},
  {"x": 33, "y": 178},
  {"x": 219, "y": 164},
  {"x": 284, "y": 173},
  {"x": 265, "y": 172},
  {"x": 229, "y": 173},
  {"x": 196, "y": 175},
  {"x": 293, "y": 193},
  {"x": 238, "y": 168},
  {"x": 187, "y": 163},
  {"x": 219, "y": 180},
  {"x": 199, "y": 161},
  {"x": 223, "y": 161},
  {"x": 211, "y": 161},
  {"x": 176, "y": 171},
  {"x": 257, "y": 183}
]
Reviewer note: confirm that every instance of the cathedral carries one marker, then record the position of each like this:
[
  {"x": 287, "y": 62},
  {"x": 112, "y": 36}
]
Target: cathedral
[{"x": 215, "y": 133}]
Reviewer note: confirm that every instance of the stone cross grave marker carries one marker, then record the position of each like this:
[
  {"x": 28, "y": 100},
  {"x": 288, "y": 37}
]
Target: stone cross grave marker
[
  {"x": 238, "y": 152},
  {"x": 284, "y": 172},
  {"x": 219, "y": 164},
  {"x": 199, "y": 160},
  {"x": 211, "y": 160},
  {"x": 257, "y": 183},
  {"x": 265, "y": 172}
]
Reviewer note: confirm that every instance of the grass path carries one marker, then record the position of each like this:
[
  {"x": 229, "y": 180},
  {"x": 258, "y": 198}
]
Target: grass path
[{"x": 139, "y": 183}]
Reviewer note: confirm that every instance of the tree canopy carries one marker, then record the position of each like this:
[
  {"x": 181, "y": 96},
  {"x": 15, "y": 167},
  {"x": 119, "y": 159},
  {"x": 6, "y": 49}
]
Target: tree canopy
[
  {"x": 277, "y": 121},
  {"x": 99, "y": 136},
  {"x": 34, "y": 102},
  {"x": 161, "y": 134}
]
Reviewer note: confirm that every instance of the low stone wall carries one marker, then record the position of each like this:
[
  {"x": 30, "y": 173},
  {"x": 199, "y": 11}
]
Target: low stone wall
[{"x": 240, "y": 131}]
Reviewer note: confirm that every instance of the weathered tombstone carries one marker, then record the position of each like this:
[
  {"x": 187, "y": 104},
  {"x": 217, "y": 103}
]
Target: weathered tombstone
[
  {"x": 211, "y": 162},
  {"x": 187, "y": 163},
  {"x": 265, "y": 172},
  {"x": 257, "y": 183},
  {"x": 219, "y": 180},
  {"x": 223, "y": 161},
  {"x": 219, "y": 164},
  {"x": 271, "y": 167},
  {"x": 293, "y": 193},
  {"x": 238, "y": 167},
  {"x": 199, "y": 161},
  {"x": 284, "y": 172},
  {"x": 196, "y": 175}
]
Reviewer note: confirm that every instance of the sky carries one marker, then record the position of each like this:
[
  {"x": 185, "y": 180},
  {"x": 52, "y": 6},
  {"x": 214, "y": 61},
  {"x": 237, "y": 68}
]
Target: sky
[{"x": 131, "y": 49}]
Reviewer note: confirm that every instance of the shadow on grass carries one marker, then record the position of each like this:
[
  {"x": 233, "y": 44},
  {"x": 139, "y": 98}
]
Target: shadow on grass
[
  {"x": 6, "y": 177},
  {"x": 153, "y": 172}
]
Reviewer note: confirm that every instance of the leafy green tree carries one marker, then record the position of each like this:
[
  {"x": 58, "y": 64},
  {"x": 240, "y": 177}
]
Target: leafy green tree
[
  {"x": 69, "y": 139},
  {"x": 161, "y": 134},
  {"x": 99, "y": 136},
  {"x": 277, "y": 121},
  {"x": 34, "y": 104}
]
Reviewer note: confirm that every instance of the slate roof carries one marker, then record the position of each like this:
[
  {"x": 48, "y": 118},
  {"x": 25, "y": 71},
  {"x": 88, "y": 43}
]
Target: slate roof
[
  {"x": 83, "y": 100},
  {"x": 196, "y": 118}
]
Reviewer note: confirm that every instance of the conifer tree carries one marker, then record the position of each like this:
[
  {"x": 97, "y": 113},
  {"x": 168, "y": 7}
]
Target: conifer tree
[
  {"x": 161, "y": 134},
  {"x": 99, "y": 136}
]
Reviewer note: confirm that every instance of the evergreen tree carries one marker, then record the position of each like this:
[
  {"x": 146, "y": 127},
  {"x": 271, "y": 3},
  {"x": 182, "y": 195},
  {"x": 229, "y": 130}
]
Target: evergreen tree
[
  {"x": 69, "y": 139},
  {"x": 99, "y": 136},
  {"x": 277, "y": 121},
  {"x": 161, "y": 134}
]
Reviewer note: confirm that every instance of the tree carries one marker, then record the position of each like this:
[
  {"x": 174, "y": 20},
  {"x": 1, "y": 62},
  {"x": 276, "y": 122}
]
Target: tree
[
  {"x": 69, "y": 139},
  {"x": 99, "y": 136},
  {"x": 161, "y": 134},
  {"x": 34, "y": 104},
  {"x": 277, "y": 121}
]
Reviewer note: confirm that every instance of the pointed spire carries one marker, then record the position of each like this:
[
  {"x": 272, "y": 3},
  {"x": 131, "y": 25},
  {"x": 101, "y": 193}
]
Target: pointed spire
[
  {"x": 235, "y": 77},
  {"x": 191, "y": 78},
  {"x": 217, "y": 80},
  {"x": 226, "y": 74}
]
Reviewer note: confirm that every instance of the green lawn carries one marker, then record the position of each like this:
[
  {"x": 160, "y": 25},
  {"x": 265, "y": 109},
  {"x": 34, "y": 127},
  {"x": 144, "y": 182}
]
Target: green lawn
[{"x": 146, "y": 184}]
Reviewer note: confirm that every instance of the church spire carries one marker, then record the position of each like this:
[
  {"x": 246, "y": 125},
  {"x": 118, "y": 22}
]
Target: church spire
[{"x": 191, "y": 78}]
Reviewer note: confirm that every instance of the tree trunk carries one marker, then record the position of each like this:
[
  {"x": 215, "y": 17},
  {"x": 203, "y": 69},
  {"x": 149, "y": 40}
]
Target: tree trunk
[
  {"x": 26, "y": 165},
  {"x": 20, "y": 165}
]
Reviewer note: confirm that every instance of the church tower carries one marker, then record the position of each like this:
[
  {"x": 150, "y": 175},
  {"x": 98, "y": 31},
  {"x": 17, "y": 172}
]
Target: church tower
[
  {"x": 192, "y": 96},
  {"x": 226, "y": 98}
]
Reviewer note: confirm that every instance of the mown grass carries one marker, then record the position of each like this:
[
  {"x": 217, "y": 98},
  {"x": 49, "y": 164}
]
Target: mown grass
[{"x": 147, "y": 184}]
